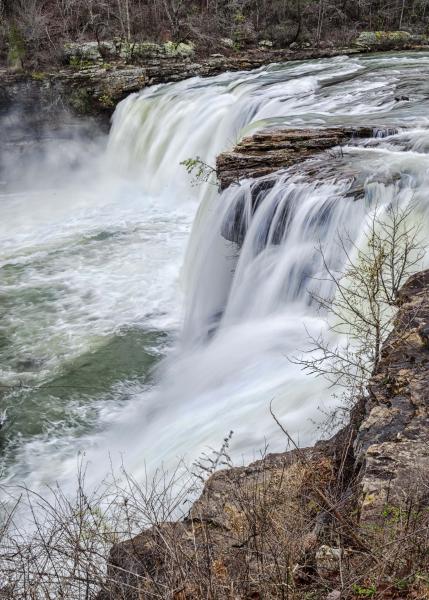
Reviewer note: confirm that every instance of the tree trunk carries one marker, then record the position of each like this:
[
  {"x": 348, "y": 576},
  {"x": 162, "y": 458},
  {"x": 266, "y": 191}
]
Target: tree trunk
[{"x": 402, "y": 14}]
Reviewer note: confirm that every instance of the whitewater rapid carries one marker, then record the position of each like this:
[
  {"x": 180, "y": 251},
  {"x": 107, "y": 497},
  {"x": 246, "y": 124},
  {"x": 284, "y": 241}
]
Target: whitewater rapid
[{"x": 131, "y": 331}]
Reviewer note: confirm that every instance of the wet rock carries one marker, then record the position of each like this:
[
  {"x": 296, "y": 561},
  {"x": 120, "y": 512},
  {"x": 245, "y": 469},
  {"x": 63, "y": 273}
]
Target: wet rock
[
  {"x": 28, "y": 364},
  {"x": 270, "y": 150},
  {"x": 236, "y": 221},
  {"x": 34, "y": 111}
]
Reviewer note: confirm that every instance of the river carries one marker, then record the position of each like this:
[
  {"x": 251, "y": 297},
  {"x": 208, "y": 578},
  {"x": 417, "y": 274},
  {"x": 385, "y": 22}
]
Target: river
[{"x": 130, "y": 330}]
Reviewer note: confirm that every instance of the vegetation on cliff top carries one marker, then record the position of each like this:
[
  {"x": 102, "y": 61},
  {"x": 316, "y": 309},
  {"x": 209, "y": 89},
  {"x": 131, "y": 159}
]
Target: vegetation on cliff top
[{"x": 44, "y": 27}]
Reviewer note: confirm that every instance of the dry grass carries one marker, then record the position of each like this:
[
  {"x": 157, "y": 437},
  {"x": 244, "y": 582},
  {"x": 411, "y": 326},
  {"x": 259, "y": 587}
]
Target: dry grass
[{"x": 262, "y": 531}]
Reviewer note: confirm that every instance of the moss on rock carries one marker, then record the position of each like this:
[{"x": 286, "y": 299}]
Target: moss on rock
[
  {"x": 387, "y": 39},
  {"x": 16, "y": 53}
]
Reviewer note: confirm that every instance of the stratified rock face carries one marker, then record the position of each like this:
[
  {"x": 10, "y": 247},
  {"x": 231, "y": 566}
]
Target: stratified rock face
[
  {"x": 393, "y": 441},
  {"x": 75, "y": 52},
  {"x": 270, "y": 150},
  {"x": 100, "y": 83},
  {"x": 262, "y": 155},
  {"x": 98, "y": 76}
]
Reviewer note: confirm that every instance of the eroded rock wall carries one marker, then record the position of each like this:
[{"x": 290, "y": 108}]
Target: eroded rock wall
[{"x": 392, "y": 446}]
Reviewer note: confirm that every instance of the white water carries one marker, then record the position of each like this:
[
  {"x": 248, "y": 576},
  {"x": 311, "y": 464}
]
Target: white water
[{"x": 102, "y": 257}]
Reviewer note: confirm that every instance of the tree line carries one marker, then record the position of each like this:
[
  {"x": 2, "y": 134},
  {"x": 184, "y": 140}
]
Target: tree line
[{"x": 43, "y": 25}]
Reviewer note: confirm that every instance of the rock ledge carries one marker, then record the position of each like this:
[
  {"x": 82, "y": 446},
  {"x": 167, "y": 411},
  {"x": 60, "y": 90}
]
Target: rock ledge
[{"x": 270, "y": 150}]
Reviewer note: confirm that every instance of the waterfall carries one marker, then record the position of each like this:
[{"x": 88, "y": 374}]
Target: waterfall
[
  {"x": 277, "y": 263},
  {"x": 150, "y": 317}
]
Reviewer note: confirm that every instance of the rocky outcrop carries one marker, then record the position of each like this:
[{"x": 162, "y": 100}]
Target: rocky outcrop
[
  {"x": 234, "y": 533},
  {"x": 95, "y": 85},
  {"x": 76, "y": 53},
  {"x": 270, "y": 150},
  {"x": 98, "y": 75},
  {"x": 106, "y": 84},
  {"x": 259, "y": 158},
  {"x": 392, "y": 445},
  {"x": 387, "y": 40}
]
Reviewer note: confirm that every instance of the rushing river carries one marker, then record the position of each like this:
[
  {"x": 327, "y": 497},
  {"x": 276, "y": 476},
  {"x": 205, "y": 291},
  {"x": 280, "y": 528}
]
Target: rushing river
[{"x": 129, "y": 327}]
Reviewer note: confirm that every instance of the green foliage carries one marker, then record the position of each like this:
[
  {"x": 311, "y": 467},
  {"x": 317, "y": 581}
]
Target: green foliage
[
  {"x": 106, "y": 101},
  {"x": 16, "y": 44},
  {"x": 38, "y": 75},
  {"x": 402, "y": 584},
  {"x": 364, "y": 592},
  {"x": 392, "y": 513},
  {"x": 80, "y": 63},
  {"x": 200, "y": 171},
  {"x": 239, "y": 17}
]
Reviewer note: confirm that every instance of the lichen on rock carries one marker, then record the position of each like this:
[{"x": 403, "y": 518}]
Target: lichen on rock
[{"x": 388, "y": 39}]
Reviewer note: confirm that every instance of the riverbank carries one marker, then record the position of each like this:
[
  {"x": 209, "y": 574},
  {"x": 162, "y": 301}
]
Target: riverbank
[
  {"x": 94, "y": 89},
  {"x": 345, "y": 519}
]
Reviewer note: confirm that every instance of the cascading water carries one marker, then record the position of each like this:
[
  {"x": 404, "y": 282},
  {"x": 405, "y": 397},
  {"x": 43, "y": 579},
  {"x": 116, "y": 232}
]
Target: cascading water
[{"x": 92, "y": 284}]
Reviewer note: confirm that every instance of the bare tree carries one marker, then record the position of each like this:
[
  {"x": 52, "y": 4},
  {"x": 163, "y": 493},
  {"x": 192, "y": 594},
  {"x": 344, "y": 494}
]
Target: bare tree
[{"x": 365, "y": 293}]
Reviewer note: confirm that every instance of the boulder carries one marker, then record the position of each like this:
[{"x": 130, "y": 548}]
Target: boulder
[
  {"x": 227, "y": 42},
  {"x": 387, "y": 39},
  {"x": 265, "y": 44},
  {"x": 76, "y": 53},
  {"x": 328, "y": 561}
]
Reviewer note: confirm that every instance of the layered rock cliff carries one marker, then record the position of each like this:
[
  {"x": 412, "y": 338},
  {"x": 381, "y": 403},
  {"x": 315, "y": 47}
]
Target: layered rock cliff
[
  {"x": 392, "y": 445},
  {"x": 95, "y": 86},
  {"x": 270, "y": 150}
]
